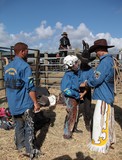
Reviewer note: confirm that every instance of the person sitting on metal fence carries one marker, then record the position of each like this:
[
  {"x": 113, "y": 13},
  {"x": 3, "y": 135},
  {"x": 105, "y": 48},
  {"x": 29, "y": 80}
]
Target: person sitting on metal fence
[{"x": 64, "y": 45}]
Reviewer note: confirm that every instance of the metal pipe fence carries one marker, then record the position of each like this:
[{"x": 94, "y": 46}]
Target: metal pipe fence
[{"x": 47, "y": 71}]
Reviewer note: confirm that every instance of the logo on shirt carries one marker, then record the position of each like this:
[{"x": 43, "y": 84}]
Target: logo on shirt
[
  {"x": 97, "y": 74},
  {"x": 11, "y": 71}
]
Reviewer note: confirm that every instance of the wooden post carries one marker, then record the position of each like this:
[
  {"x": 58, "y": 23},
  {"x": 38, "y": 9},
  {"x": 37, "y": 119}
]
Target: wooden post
[
  {"x": 117, "y": 78},
  {"x": 1, "y": 72}
]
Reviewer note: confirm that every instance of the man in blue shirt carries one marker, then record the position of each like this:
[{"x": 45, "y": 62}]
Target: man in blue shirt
[
  {"x": 21, "y": 96},
  {"x": 103, "y": 82}
]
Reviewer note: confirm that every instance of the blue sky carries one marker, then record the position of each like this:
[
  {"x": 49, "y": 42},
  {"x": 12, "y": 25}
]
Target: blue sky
[{"x": 39, "y": 23}]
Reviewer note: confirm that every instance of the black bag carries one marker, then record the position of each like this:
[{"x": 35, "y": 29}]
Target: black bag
[{"x": 6, "y": 123}]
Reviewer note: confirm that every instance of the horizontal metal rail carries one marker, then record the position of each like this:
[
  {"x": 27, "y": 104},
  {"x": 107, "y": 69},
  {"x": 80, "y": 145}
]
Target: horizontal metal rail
[
  {"x": 50, "y": 86},
  {"x": 52, "y": 64},
  {"x": 52, "y": 77},
  {"x": 54, "y": 71}
]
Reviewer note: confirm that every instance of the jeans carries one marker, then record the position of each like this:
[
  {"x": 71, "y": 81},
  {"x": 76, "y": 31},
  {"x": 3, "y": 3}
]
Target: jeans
[{"x": 24, "y": 131}]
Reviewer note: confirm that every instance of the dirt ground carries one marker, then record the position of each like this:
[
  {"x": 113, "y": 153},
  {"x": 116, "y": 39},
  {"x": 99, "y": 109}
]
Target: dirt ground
[{"x": 52, "y": 144}]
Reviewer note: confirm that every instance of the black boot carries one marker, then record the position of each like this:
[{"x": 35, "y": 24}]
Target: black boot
[{"x": 77, "y": 130}]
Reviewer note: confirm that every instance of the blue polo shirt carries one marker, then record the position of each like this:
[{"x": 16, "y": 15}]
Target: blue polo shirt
[
  {"x": 18, "y": 82},
  {"x": 103, "y": 80}
]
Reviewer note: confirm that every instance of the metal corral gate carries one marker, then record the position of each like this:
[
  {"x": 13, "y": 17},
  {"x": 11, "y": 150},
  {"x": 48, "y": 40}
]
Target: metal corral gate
[{"x": 7, "y": 55}]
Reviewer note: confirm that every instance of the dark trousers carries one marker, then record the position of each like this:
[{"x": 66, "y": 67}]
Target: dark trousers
[
  {"x": 85, "y": 109},
  {"x": 86, "y": 105},
  {"x": 63, "y": 53}
]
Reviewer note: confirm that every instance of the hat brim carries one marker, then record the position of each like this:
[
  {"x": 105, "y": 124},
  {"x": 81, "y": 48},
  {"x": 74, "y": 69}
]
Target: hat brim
[
  {"x": 63, "y": 34},
  {"x": 94, "y": 47},
  {"x": 85, "y": 60}
]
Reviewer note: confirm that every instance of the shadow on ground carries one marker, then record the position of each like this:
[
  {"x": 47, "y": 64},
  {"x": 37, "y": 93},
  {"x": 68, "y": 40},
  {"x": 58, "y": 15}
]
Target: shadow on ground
[
  {"x": 79, "y": 156},
  {"x": 118, "y": 115}
]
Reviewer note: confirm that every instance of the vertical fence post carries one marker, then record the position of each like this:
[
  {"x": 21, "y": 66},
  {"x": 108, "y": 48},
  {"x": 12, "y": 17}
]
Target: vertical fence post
[
  {"x": 1, "y": 71},
  {"x": 37, "y": 63},
  {"x": 46, "y": 69}
]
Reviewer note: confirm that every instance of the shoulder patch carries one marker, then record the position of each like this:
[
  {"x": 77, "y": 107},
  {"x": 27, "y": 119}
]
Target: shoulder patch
[{"x": 97, "y": 74}]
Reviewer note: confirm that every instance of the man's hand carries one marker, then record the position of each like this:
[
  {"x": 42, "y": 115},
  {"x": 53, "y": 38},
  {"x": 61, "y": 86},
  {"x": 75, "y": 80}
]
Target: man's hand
[
  {"x": 32, "y": 94},
  {"x": 36, "y": 107},
  {"x": 81, "y": 96},
  {"x": 83, "y": 84}
]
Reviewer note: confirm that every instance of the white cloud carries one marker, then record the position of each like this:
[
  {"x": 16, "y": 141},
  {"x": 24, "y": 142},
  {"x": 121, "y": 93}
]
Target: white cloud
[
  {"x": 58, "y": 25},
  {"x": 44, "y": 32},
  {"x": 47, "y": 38},
  {"x": 78, "y": 34},
  {"x": 5, "y": 38}
]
